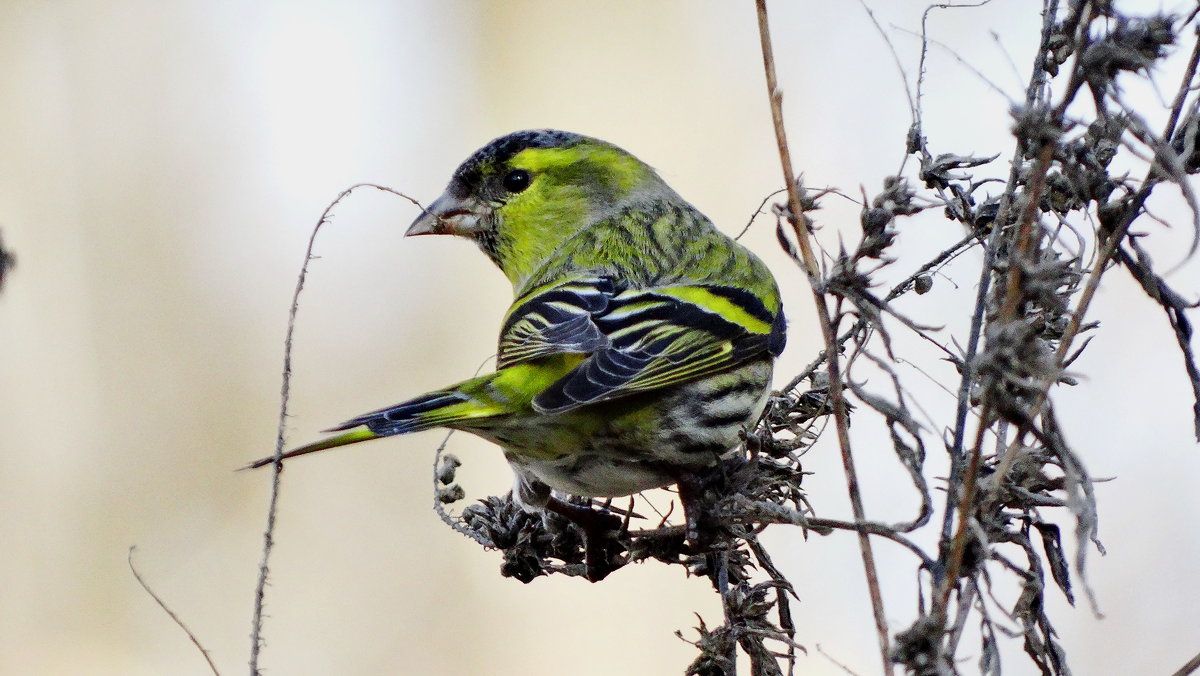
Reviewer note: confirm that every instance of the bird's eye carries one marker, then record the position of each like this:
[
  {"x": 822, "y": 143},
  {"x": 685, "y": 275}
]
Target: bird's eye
[{"x": 516, "y": 180}]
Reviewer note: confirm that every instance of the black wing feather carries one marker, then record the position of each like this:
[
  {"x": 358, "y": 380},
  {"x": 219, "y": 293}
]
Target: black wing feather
[{"x": 637, "y": 339}]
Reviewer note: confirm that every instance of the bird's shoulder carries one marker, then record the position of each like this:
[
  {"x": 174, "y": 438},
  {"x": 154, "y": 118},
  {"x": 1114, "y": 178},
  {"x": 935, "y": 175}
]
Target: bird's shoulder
[{"x": 657, "y": 240}]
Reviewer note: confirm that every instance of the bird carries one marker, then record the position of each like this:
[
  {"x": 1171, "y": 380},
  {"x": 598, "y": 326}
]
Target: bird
[{"x": 640, "y": 342}]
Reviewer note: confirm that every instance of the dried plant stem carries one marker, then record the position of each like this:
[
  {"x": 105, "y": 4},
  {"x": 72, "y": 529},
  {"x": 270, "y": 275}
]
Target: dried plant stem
[
  {"x": 1032, "y": 90},
  {"x": 958, "y": 545},
  {"x": 1139, "y": 199},
  {"x": 1189, "y": 668},
  {"x": 762, "y": 513},
  {"x": 898, "y": 290},
  {"x": 796, "y": 218},
  {"x": 1026, "y": 240},
  {"x": 1105, "y": 256},
  {"x": 1025, "y": 243},
  {"x": 170, "y": 613},
  {"x": 284, "y": 397}
]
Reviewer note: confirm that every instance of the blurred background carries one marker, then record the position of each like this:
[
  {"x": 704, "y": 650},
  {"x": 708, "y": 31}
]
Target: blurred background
[{"x": 161, "y": 167}]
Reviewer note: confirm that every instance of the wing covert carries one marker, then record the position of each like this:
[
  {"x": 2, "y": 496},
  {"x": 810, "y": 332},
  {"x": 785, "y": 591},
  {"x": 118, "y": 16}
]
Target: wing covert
[
  {"x": 637, "y": 340},
  {"x": 554, "y": 320}
]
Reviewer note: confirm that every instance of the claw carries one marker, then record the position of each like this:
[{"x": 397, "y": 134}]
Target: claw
[{"x": 600, "y": 546}]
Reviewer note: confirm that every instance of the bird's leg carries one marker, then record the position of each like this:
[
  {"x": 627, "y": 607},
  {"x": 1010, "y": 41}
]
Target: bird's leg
[
  {"x": 600, "y": 546},
  {"x": 691, "y": 496},
  {"x": 701, "y": 533}
]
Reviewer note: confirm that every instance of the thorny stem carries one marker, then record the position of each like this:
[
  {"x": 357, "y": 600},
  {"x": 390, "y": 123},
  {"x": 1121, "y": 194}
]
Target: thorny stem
[
  {"x": 260, "y": 588},
  {"x": 1010, "y": 306},
  {"x": 1012, "y": 298},
  {"x": 797, "y": 219}
]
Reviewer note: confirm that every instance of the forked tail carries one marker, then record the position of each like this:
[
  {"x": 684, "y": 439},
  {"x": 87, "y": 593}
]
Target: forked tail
[{"x": 430, "y": 410}]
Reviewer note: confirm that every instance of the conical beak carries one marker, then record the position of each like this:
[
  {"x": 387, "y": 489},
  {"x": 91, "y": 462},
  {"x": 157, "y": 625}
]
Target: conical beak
[{"x": 448, "y": 215}]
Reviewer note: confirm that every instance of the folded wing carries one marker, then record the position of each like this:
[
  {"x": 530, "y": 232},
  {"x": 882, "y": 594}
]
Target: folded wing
[{"x": 637, "y": 340}]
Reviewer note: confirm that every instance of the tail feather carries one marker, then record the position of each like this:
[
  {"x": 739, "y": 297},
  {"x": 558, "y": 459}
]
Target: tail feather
[
  {"x": 351, "y": 437},
  {"x": 411, "y": 416},
  {"x": 430, "y": 410}
]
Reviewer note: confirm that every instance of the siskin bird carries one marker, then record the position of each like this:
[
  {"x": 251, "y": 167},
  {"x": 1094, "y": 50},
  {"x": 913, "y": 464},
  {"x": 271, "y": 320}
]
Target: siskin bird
[{"x": 641, "y": 339}]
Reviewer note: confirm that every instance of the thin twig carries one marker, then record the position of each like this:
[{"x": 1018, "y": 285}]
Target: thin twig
[
  {"x": 950, "y": 253},
  {"x": 836, "y": 663},
  {"x": 757, "y": 212},
  {"x": 958, "y": 57},
  {"x": 721, "y": 561},
  {"x": 175, "y": 618},
  {"x": 798, "y": 221},
  {"x": 762, "y": 513},
  {"x": 284, "y": 397},
  {"x": 912, "y": 104},
  {"x": 1189, "y": 668}
]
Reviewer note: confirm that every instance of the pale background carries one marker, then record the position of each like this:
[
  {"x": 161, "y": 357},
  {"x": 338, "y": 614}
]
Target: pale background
[{"x": 161, "y": 165}]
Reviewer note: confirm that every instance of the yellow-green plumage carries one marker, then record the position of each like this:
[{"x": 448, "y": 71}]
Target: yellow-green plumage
[{"x": 640, "y": 341}]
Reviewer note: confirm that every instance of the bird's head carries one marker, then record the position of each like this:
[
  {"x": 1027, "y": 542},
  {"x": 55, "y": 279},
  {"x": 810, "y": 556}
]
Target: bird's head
[{"x": 520, "y": 196}]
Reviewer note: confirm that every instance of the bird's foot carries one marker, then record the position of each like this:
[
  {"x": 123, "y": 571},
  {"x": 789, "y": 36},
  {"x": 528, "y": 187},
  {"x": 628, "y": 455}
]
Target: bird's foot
[
  {"x": 600, "y": 546},
  {"x": 704, "y": 536}
]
